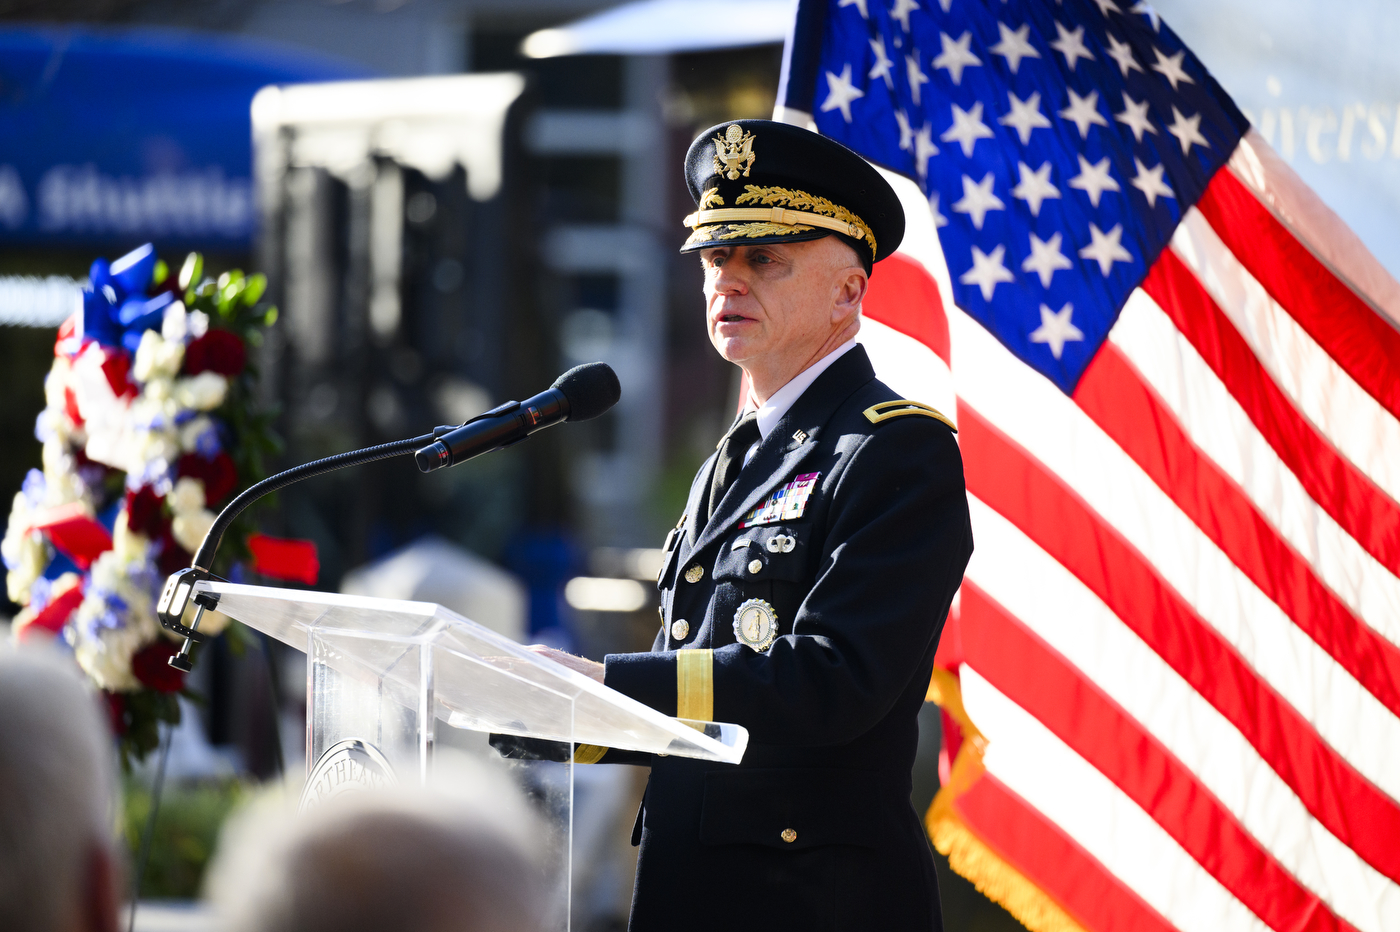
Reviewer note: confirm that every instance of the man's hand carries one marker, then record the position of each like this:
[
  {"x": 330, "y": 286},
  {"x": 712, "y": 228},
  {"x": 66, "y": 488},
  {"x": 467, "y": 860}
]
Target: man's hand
[{"x": 589, "y": 668}]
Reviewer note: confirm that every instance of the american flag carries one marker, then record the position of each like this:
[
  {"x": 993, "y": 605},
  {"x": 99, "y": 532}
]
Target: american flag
[{"x": 1172, "y": 681}]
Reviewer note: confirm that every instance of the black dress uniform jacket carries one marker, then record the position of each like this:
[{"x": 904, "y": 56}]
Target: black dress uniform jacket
[{"x": 814, "y": 829}]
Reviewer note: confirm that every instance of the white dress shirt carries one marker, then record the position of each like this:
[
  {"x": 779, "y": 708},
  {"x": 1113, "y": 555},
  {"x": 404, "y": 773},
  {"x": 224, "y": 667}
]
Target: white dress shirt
[{"x": 772, "y": 410}]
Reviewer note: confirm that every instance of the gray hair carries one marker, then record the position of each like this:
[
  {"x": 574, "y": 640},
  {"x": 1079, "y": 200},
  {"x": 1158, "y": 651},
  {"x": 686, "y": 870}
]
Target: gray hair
[
  {"x": 56, "y": 787},
  {"x": 411, "y": 860}
]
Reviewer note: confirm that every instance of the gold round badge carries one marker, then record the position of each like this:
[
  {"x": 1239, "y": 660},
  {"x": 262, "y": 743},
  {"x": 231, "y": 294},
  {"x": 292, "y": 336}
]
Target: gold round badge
[
  {"x": 694, "y": 574},
  {"x": 756, "y": 624}
]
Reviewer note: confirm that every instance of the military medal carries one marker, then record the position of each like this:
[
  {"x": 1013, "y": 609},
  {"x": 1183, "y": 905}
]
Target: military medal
[
  {"x": 786, "y": 504},
  {"x": 756, "y": 624}
]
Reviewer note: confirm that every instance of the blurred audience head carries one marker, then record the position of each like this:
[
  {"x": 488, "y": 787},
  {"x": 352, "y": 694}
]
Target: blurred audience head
[
  {"x": 58, "y": 865},
  {"x": 461, "y": 856}
]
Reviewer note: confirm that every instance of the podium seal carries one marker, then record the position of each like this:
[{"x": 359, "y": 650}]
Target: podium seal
[
  {"x": 344, "y": 767},
  {"x": 756, "y": 624}
]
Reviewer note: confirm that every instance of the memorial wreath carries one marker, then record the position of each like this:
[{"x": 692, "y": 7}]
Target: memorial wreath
[{"x": 150, "y": 424}]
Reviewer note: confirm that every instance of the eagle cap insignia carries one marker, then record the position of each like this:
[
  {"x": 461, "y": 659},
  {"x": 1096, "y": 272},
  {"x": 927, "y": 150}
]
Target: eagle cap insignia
[{"x": 734, "y": 150}]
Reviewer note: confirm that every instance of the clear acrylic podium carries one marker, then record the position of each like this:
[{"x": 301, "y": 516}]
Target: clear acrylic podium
[{"x": 383, "y": 676}]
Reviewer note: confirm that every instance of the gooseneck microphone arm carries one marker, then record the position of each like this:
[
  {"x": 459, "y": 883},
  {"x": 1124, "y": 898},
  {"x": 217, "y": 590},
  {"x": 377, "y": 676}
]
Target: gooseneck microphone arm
[
  {"x": 205, "y": 558},
  {"x": 176, "y": 594},
  {"x": 581, "y": 393}
]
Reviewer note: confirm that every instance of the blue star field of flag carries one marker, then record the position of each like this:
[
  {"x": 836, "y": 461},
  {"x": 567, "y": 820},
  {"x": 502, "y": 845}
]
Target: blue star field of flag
[{"x": 1058, "y": 142}]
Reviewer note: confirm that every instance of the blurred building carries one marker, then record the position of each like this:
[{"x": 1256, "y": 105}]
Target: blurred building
[
  {"x": 472, "y": 300},
  {"x": 421, "y": 279}
]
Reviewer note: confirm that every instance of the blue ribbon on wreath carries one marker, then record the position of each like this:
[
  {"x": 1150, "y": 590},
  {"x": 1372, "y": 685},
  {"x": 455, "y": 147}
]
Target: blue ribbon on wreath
[{"x": 116, "y": 308}]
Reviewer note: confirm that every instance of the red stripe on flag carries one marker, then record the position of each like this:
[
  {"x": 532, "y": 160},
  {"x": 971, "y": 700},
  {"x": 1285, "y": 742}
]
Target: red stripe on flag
[
  {"x": 1118, "y": 400},
  {"x": 1343, "y": 491},
  {"x": 1006, "y": 478},
  {"x": 1360, "y": 340},
  {"x": 1052, "y": 860},
  {"x": 1034, "y": 676},
  {"x": 903, "y": 296}
]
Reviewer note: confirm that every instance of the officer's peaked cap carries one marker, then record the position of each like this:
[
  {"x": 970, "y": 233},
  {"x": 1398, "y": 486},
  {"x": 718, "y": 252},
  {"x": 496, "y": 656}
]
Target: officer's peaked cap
[{"x": 756, "y": 181}]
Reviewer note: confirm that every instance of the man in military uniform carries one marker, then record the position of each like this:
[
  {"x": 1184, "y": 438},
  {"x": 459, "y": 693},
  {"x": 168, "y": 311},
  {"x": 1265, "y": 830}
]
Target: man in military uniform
[{"x": 806, "y": 584}]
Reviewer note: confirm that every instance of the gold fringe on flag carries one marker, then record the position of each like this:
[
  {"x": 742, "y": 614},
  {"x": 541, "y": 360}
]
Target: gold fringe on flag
[{"x": 967, "y": 854}]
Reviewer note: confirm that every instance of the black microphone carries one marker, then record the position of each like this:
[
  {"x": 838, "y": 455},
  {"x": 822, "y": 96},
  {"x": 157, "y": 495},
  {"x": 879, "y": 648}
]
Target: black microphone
[{"x": 581, "y": 393}]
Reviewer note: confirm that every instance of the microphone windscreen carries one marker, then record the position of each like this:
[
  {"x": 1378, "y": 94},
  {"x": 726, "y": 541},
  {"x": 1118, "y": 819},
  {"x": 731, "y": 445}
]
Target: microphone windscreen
[{"x": 591, "y": 389}]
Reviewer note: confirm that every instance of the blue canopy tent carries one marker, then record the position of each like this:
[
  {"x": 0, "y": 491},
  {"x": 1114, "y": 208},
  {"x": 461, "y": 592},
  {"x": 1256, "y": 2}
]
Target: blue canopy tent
[{"x": 114, "y": 137}]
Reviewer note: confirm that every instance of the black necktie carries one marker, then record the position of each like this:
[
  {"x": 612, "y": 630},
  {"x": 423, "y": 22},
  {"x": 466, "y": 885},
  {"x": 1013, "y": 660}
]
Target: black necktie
[{"x": 731, "y": 457}]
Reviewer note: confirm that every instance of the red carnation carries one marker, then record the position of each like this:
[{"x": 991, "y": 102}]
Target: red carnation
[
  {"x": 217, "y": 351},
  {"x": 150, "y": 666},
  {"x": 144, "y": 513},
  {"x": 218, "y": 474}
]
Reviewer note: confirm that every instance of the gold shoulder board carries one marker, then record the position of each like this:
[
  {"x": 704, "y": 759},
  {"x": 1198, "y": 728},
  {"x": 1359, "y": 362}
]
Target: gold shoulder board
[{"x": 888, "y": 409}]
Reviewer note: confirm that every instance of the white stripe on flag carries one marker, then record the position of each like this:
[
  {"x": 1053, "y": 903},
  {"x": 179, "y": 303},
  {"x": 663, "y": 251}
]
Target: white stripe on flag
[
  {"x": 1215, "y": 423},
  {"x": 1052, "y": 602},
  {"x": 1344, "y": 412},
  {"x": 1033, "y": 413},
  {"x": 1041, "y": 769}
]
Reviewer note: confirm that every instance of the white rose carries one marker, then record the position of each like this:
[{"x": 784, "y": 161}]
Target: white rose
[
  {"x": 106, "y": 655},
  {"x": 173, "y": 325},
  {"x": 143, "y": 366},
  {"x": 189, "y": 528},
  {"x": 62, "y": 490},
  {"x": 148, "y": 408},
  {"x": 55, "y": 384},
  {"x": 157, "y": 390},
  {"x": 54, "y": 425},
  {"x": 103, "y": 652},
  {"x": 32, "y": 555},
  {"x": 187, "y": 496},
  {"x": 129, "y": 546},
  {"x": 19, "y": 511},
  {"x": 191, "y": 432},
  {"x": 11, "y": 547},
  {"x": 157, "y": 357},
  {"x": 107, "y": 572},
  {"x": 203, "y": 392},
  {"x": 149, "y": 445},
  {"x": 56, "y": 459}
]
